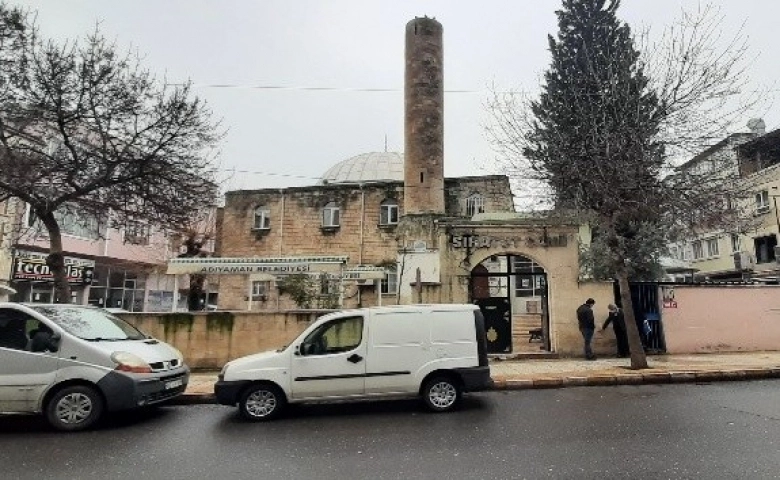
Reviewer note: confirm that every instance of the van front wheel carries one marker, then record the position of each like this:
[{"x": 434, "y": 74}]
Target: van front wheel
[
  {"x": 74, "y": 408},
  {"x": 262, "y": 402},
  {"x": 441, "y": 394}
]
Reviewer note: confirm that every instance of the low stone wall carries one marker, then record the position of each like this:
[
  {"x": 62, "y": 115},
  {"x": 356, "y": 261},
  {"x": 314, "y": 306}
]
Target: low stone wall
[{"x": 208, "y": 340}]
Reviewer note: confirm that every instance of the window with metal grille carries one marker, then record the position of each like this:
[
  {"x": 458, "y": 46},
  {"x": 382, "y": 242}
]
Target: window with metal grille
[{"x": 475, "y": 204}]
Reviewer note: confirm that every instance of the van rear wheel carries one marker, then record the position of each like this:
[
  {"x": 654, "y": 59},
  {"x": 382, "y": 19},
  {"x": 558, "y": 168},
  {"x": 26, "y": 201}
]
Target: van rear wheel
[
  {"x": 441, "y": 393},
  {"x": 262, "y": 402},
  {"x": 74, "y": 408}
]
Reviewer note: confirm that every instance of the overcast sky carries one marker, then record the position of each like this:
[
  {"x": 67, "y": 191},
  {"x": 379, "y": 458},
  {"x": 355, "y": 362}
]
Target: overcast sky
[{"x": 291, "y": 136}]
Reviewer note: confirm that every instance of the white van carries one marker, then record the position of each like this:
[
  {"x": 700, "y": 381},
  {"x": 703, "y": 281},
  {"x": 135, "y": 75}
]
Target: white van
[
  {"x": 73, "y": 362},
  {"x": 433, "y": 351}
]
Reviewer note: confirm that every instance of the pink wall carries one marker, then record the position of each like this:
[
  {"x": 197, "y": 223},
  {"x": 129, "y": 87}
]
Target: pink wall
[
  {"x": 114, "y": 247},
  {"x": 723, "y": 319}
]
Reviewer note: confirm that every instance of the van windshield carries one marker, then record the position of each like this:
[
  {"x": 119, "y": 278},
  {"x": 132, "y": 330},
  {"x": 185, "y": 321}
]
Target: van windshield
[{"x": 91, "y": 324}]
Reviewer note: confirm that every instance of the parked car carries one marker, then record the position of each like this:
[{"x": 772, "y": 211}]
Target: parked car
[
  {"x": 74, "y": 362},
  {"x": 435, "y": 352}
]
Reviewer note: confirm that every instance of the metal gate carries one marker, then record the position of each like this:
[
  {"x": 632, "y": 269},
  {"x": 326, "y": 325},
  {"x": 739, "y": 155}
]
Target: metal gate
[
  {"x": 647, "y": 313},
  {"x": 498, "y": 323}
]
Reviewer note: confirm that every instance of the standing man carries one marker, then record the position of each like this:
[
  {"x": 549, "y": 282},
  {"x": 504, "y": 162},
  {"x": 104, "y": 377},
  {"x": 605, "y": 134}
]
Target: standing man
[
  {"x": 619, "y": 326},
  {"x": 587, "y": 325}
]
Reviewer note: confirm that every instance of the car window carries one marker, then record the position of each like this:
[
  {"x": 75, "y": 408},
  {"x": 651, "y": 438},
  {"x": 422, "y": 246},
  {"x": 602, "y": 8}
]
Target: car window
[
  {"x": 340, "y": 335},
  {"x": 20, "y": 331},
  {"x": 88, "y": 323}
]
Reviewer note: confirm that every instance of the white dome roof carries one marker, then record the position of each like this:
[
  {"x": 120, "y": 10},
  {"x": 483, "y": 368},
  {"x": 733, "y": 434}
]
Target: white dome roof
[{"x": 367, "y": 167}]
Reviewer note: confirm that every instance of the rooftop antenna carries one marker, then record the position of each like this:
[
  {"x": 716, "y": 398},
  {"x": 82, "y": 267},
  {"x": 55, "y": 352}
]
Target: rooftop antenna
[{"x": 385, "y": 143}]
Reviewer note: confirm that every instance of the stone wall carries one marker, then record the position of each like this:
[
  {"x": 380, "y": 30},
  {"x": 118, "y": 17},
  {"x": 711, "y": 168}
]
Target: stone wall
[
  {"x": 296, "y": 230},
  {"x": 209, "y": 340},
  {"x": 561, "y": 264}
]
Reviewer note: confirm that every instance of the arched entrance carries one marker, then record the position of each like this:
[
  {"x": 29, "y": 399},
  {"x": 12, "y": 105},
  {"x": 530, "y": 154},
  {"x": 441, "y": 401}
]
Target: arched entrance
[{"x": 511, "y": 291}]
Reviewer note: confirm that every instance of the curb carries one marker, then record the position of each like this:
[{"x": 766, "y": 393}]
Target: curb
[{"x": 637, "y": 378}]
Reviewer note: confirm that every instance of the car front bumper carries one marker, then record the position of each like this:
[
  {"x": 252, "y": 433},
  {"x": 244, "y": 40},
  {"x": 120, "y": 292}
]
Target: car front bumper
[{"x": 123, "y": 391}]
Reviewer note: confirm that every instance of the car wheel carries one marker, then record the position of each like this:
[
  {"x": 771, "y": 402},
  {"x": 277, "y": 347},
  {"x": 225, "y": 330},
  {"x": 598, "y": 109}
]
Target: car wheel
[
  {"x": 441, "y": 394},
  {"x": 262, "y": 402},
  {"x": 74, "y": 408}
]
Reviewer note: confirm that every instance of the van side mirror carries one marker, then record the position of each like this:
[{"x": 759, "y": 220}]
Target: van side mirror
[
  {"x": 54, "y": 342},
  {"x": 297, "y": 350}
]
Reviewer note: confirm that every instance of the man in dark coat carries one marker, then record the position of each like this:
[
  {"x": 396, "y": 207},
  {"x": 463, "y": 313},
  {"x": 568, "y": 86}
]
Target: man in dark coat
[
  {"x": 619, "y": 326},
  {"x": 587, "y": 325}
]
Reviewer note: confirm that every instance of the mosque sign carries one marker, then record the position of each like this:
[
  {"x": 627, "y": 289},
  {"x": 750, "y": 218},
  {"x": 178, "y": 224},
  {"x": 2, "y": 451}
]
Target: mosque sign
[{"x": 520, "y": 241}]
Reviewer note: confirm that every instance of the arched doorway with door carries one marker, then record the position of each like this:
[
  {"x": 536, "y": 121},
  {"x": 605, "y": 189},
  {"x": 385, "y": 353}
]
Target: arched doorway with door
[{"x": 511, "y": 291}]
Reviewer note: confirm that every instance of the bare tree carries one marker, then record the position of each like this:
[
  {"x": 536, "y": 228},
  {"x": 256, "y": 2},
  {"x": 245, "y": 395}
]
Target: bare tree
[
  {"x": 194, "y": 241},
  {"x": 606, "y": 133},
  {"x": 86, "y": 131}
]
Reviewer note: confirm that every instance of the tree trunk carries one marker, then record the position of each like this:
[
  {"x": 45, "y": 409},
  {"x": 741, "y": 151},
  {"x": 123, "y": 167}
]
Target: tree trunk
[
  {"x": 196, "y": 293},
  {"x": 56, "y": 259},
  {"x": 638, "y": 357}
]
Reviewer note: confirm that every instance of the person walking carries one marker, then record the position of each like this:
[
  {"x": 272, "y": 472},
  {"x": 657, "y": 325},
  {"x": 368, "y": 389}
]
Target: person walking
[
  {"x": 587, "y": 325},
  {"x": 618, "y": 322}
]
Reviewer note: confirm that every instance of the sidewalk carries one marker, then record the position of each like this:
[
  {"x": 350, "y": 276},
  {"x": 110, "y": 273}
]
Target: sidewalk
[{"x": 521, "y": 374}]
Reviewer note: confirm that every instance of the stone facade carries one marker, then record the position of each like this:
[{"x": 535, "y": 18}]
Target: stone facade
[{"x": 295, "y": 229}]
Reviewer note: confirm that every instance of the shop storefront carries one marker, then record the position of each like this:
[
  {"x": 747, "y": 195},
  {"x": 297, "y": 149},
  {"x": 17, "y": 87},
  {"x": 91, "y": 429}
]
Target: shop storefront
[{"x": 34, "y": 282}]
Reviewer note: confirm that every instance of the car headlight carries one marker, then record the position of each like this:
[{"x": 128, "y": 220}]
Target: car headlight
[
  {"x": 179, "y": 356},
  {"x": 130, "y": 362},
  {"x": 222, "y": 372}
]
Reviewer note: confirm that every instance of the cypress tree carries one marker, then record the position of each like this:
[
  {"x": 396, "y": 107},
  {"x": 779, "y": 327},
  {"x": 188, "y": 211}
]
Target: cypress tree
[{"x": 594, "y": 137}]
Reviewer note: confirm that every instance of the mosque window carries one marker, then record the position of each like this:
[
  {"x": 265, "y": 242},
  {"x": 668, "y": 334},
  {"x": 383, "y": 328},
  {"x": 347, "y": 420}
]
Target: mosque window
[
  {"x": 475, "y": 204},
  {"x": 262, "y": 219},
  {"x": 330, "y": 215},
  {"x": 389, "y": 284},
  {"x": 388, "y": 212}
]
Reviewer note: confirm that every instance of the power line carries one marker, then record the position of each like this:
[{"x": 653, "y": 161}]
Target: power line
[{"x": 316, "y": 89}]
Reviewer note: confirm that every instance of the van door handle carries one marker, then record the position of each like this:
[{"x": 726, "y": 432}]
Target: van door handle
[{"x": 354, "y": 358}]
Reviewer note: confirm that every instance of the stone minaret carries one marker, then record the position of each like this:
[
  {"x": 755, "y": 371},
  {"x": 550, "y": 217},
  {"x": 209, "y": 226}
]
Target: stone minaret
[{"x": 424, "y": 118}]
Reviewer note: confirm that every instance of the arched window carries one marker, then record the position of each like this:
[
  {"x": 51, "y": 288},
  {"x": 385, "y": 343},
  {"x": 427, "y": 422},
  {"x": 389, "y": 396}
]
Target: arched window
[
  {"x": 262, "y": 218},
  {"x": 330, "y": 215},
  {"x": 388, "y": 212},
  {"x": 475, "y": 204}
]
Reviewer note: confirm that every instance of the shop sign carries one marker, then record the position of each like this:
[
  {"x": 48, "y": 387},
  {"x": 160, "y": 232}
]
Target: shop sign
[
  {"x": 277, "y": 269},
  {"x": 254, "y": 266},
  {"x": 529, "y": 241},
  {"x": 35, "y": 269}
]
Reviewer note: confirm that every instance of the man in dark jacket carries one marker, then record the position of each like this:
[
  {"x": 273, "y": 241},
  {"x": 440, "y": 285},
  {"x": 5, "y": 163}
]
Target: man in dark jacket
[
  {"x": 587, "y": 325},
  {"x": 619, "y": 325}
]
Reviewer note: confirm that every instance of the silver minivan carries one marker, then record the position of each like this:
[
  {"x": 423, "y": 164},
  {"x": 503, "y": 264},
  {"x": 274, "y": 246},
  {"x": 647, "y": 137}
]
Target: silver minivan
[{"x": 75, "y": 362}]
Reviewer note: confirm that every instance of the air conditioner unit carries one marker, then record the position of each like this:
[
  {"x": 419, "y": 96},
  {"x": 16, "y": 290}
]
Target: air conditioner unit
[{"x": 743, "y": 261}]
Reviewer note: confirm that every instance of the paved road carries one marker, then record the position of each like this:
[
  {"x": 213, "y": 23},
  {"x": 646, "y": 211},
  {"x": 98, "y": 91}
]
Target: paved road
[{"x": 724, "y": 430}]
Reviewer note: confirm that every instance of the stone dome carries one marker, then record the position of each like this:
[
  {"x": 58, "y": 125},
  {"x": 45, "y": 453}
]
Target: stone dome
[{"x": 366, "y": 167}]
